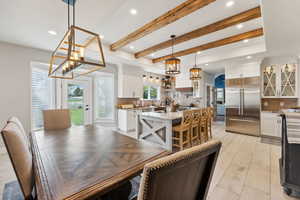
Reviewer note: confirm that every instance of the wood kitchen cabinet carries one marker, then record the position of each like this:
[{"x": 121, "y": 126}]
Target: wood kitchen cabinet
[{"x": 280, "y": 81}]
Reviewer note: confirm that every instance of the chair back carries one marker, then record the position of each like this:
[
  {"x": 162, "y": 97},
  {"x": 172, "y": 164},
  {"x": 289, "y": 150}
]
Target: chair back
[
  {"x": 184, "y": 175},
  {"x": 196, "y": 116},
  {"x": 56, "y": 119},
  {"x": 187, "y": 118},
  {"x": 20, "y": 156},
  {"x": 20, "y": 125}
]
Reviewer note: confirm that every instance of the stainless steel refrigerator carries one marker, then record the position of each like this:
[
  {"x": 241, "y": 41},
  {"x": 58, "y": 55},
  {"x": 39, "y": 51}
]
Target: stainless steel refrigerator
[{"x": 243, "y": 105}]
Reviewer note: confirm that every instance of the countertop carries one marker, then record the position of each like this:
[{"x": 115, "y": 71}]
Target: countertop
[{"x": 165, "y": 116}]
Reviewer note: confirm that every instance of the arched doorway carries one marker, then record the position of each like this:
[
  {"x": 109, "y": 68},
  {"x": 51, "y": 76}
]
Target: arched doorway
[{"x": 219, "y": 97}]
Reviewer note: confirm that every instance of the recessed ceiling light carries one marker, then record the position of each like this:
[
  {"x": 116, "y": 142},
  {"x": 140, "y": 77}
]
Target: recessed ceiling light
[
  {"x": 101, "y": 37},
  {"x": 229, "y": 4},
  {"x": 239, "y": 26},
  {"x": 131, "y": 47},
  {"x": 206, "y": 64},
  {"x": 198, "y": 52},
  {"x": 249, "y": 57},
  {"x": 246, "y": 41},
  {"x": 51, "y": 32},
  {"x": 133, "y": 11},
  {"x": 152, "y": 54}
]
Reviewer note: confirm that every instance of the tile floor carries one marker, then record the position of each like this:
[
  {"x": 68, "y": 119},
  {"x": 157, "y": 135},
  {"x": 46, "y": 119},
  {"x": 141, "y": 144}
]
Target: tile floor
[{"x": 246, "y": 169}]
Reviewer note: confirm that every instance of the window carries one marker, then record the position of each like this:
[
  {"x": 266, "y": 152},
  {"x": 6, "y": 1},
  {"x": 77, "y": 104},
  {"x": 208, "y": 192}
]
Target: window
[
  {"x": 151, "y": 93},
  {"x": 42, "y": 95},
  {"x": 104, "y": 97}
]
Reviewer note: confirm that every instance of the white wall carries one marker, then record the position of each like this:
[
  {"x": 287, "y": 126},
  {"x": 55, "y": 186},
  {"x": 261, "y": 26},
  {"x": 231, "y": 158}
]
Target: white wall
[{"x": 15, "y": 83}]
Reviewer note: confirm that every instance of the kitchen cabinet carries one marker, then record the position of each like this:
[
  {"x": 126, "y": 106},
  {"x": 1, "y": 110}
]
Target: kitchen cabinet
[
  {"x": 127, "y": 120},
  {"x": 242, "y": 71},
  {"x": 132, "y": 86},
  {"x": 270, "y": 124},
  {"x": 280, "y": 81}
]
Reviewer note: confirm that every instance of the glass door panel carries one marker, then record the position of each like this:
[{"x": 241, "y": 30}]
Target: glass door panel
[
  {"x": 269, "y": 81},
  {"x": 77, "y": 97},
  {"x": 76, "y": 103},
  {"x": 288, "y": 80},
  {"x": 104, "y": 97}
]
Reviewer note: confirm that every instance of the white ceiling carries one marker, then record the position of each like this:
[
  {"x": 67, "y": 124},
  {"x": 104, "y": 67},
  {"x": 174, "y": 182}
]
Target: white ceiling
[{"x": 28, "y": 22}]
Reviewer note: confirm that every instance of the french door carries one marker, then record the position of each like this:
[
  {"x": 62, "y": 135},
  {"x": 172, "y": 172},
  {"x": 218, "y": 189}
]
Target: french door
[{"x": 77, "y": 96}]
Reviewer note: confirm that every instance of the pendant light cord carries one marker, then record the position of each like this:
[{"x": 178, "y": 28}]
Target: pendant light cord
[
  {"x": 195, "y": 60},
  {"x": 68, "y": 14}
]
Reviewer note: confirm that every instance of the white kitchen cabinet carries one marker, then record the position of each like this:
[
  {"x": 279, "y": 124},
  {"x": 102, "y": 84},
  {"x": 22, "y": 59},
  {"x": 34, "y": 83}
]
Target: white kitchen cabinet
[
  {"x": 270, "y": 124},
  {"x": 280, "y": 81},
  {"x": 127, "y": 120},
  {"x": 242, "y": 71},
  {"x": 132, "y": 86}
]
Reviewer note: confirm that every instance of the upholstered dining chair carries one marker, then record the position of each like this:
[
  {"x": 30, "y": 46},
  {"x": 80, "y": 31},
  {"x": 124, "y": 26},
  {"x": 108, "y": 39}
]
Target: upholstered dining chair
[
  {"x": 21, "y": 127},
  {"x": 184, "y": 175},
  {"x": 56, "y": 119},
  {"x": 20, "y": 156}
]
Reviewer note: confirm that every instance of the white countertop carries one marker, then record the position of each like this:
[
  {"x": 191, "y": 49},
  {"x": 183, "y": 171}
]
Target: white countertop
[{"x": 164, "y": 116}]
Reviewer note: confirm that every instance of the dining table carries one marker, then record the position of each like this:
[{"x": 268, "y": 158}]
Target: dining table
[{"x": 83, "y": 161}]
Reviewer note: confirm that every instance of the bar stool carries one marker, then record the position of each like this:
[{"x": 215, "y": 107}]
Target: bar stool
[
  {"x": 210, "y": 113},
  {"x": 203, "y": 132},
  {"x": 195, "y": 127},
  {"x": 182, "y": 133}
]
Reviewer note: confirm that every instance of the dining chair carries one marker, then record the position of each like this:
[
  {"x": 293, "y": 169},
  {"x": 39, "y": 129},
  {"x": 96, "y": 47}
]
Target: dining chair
[
  {"x": 21, "y": 127},
  {"x": 195, "y": 126},
  {"x": 184, "y": 175},
  {"x": 20, "y": 157},
  {"x": 56, "y": 119},
  {"x": 181, "y": 133}
]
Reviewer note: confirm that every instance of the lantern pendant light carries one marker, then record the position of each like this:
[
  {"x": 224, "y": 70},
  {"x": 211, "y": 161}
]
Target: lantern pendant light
[
  {"x": 172, "y": 65},
  {"x": 195, "y": 72},
  {"x": 79, "y": 52}
]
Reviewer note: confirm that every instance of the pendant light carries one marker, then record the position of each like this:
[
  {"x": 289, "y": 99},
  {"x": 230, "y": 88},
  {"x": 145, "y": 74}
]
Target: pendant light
[
  {"x": 195, "y": 72},
  {"x": 172, "y": 64},
  {"x": 79, "y": 52}
]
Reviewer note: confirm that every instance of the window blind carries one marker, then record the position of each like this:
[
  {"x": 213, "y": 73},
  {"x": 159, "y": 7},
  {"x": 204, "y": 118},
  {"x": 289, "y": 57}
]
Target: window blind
[{"x": 42, "y": 95}]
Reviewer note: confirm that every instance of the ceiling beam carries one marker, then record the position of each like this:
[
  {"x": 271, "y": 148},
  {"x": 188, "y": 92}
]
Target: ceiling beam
[
  {"x": 210, "y": 45},
  {"x": 169, "y": 17},
  {"x": 230, "y": 21}
]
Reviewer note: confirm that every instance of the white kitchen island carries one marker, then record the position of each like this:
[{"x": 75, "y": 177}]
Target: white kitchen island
[{"x": 156, "y": 127}]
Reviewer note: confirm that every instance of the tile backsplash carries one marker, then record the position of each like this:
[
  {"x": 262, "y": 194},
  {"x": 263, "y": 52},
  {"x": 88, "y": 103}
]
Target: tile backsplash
[{"x": 276, "y": 104}]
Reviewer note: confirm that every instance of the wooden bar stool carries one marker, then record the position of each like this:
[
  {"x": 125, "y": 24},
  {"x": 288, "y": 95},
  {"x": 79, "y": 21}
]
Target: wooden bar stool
[
  {"x": 210, "y": 113},
  {"x": 182, "y": 133},
  {"x": 195, "y": 127},
  {"x": 203, "y": 131}
]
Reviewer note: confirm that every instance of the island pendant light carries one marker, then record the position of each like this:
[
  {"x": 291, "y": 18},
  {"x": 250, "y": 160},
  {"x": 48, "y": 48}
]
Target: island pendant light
[
  {"x": 79, "y": 52},
  {"x": 172, "y": 65},
  {"x": 195, "y": 72}
]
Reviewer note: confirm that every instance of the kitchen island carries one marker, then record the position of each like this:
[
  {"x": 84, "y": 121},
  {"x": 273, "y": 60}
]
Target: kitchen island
[{"x": 156, "y": 127}]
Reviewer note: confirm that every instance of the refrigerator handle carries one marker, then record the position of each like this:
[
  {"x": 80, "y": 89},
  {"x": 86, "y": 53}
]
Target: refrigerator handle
[
  {"x": 240, "y": 106},
  {"x": 243, "y": 100}
]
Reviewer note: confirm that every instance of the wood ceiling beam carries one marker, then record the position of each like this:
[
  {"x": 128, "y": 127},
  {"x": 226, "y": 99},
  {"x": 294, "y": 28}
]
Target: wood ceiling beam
[
  {"x": 169, "y": 17},
  {"x": 225, "y": 23},
  {"x": 210, "y": 45}
]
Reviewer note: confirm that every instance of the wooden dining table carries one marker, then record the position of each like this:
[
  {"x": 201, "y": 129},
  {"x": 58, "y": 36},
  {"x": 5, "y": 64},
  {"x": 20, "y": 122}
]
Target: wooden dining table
[{"x": 84, "y": 161}]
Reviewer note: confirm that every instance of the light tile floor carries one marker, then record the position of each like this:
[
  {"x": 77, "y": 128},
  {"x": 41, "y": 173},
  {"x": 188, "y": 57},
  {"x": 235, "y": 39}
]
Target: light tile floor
[{"x": 246, "y": 169}]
